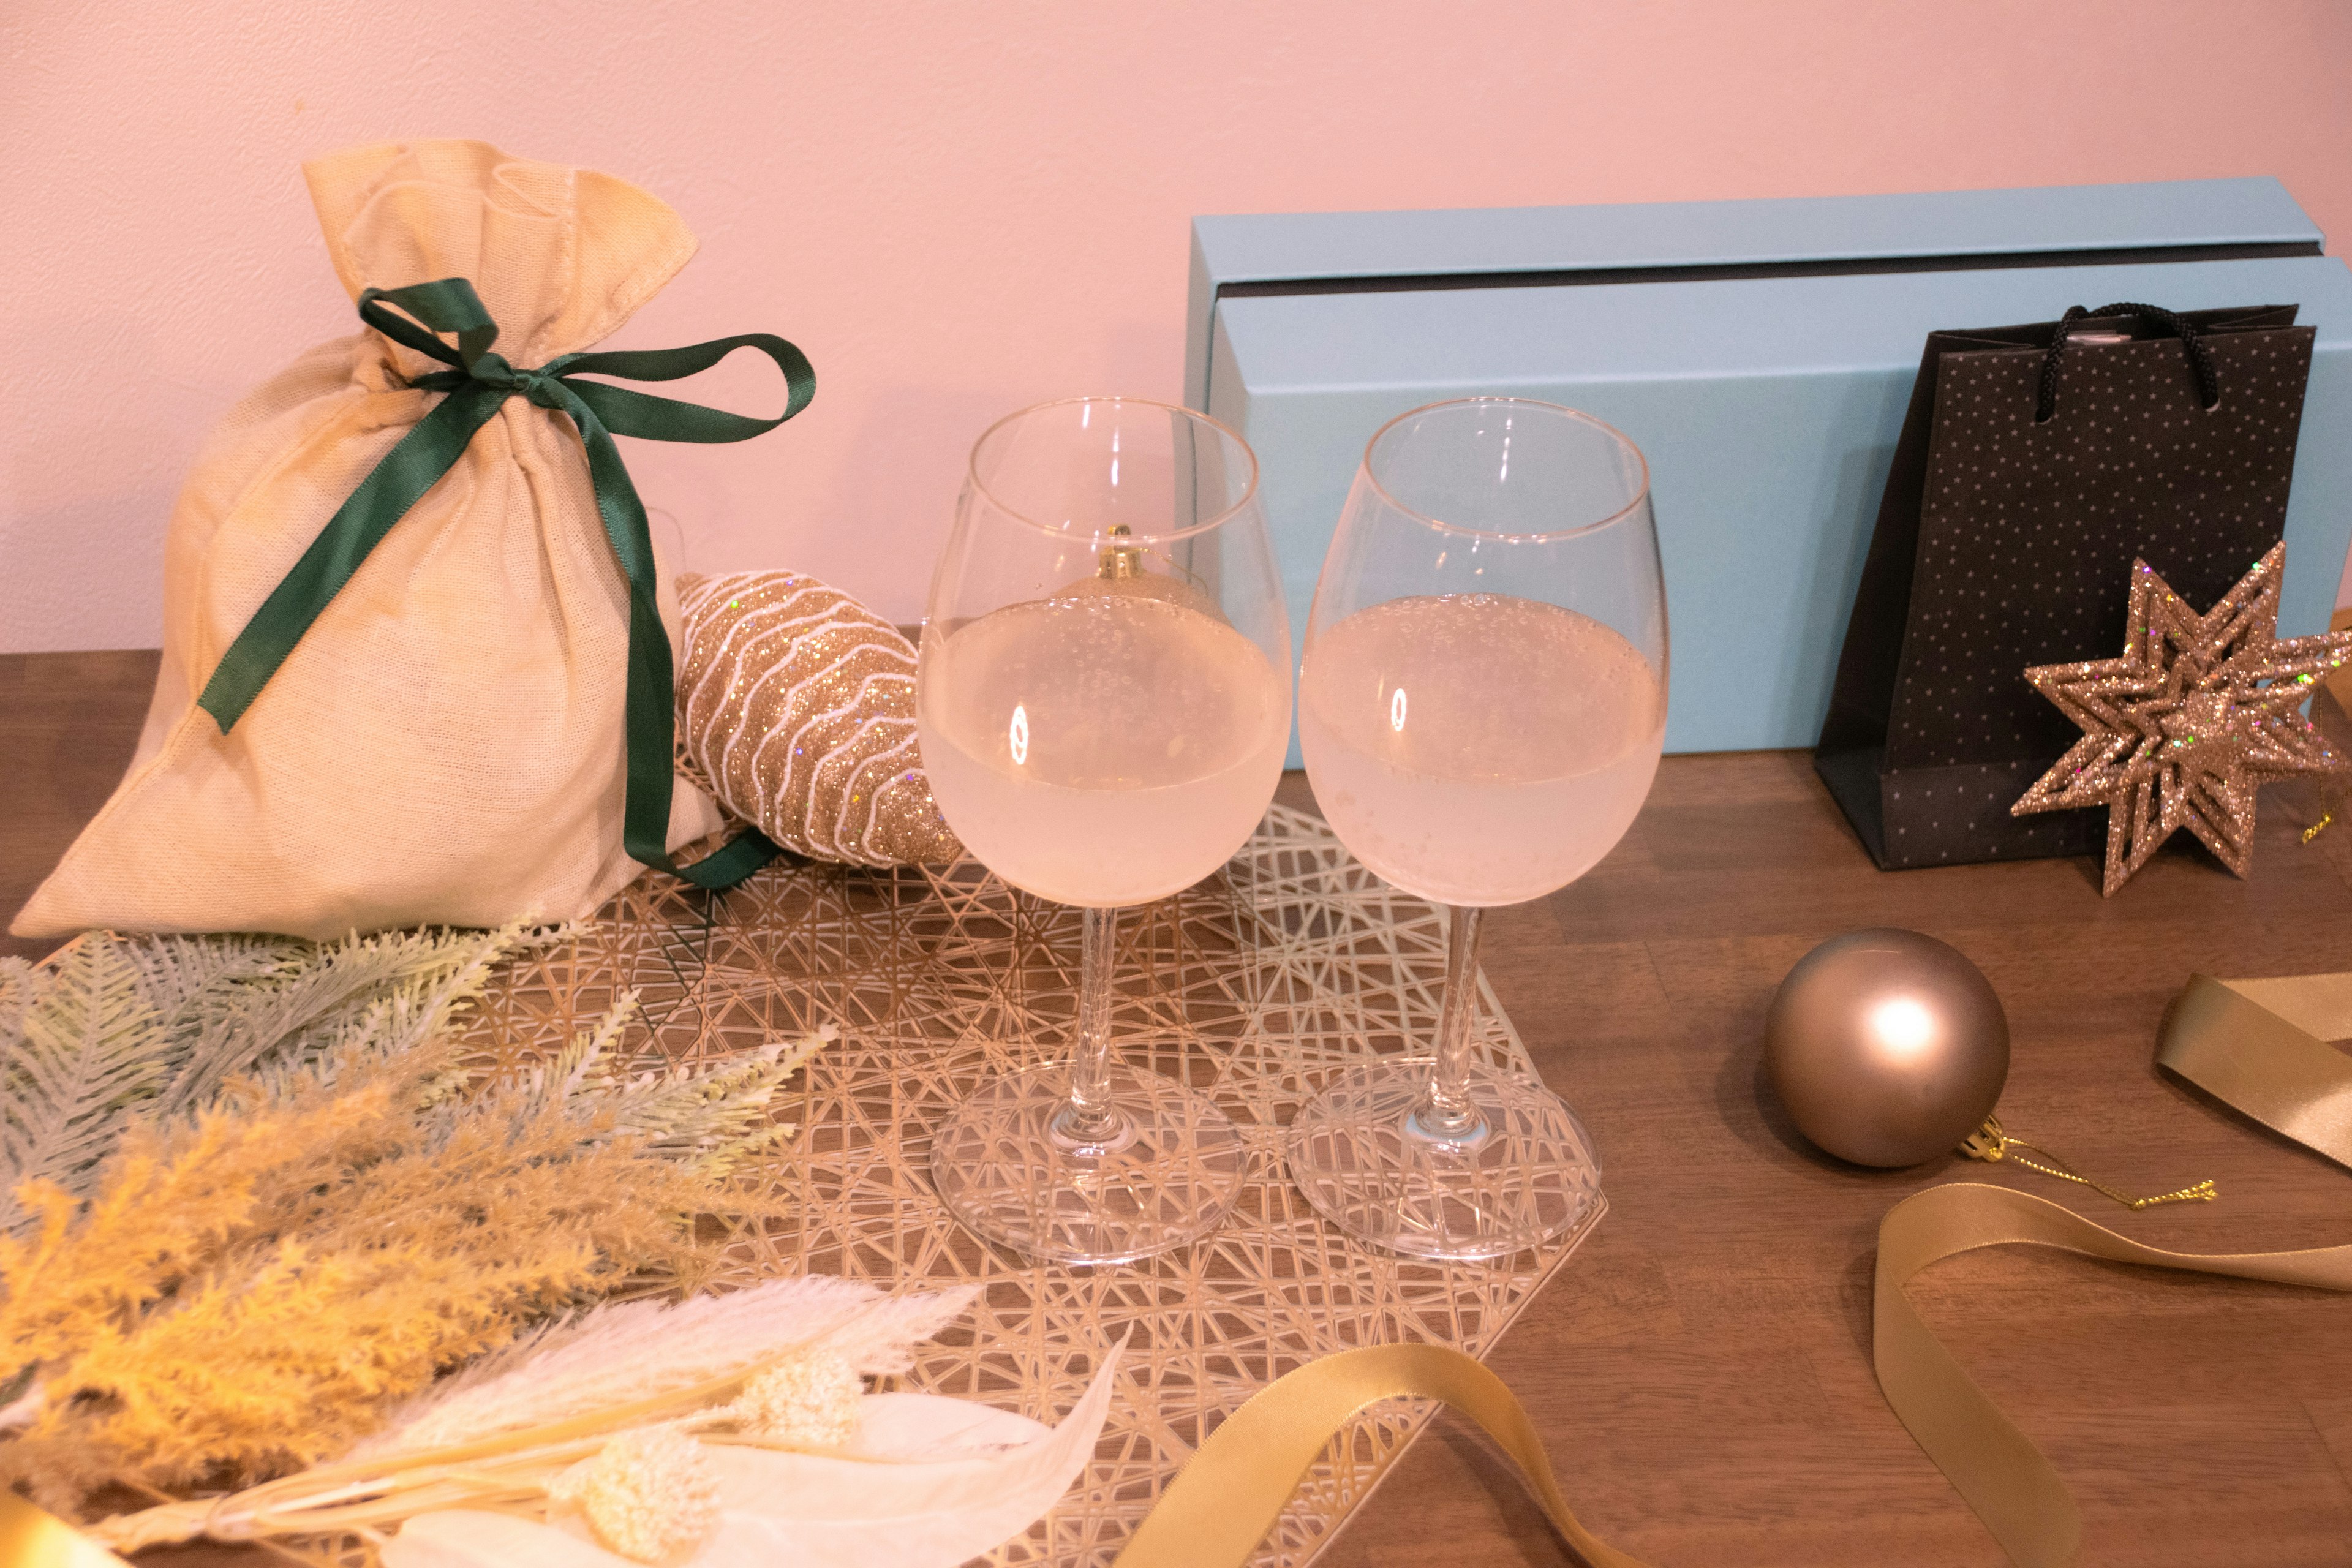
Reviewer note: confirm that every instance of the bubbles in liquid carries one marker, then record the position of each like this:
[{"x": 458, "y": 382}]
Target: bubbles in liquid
[
  {"x": 1102, "y": 749},
  {"x": 1478, "y": 749}
]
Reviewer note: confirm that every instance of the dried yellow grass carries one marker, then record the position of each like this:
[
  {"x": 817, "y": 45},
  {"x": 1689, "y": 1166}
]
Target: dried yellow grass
[{"x": 248, "y": 1290}]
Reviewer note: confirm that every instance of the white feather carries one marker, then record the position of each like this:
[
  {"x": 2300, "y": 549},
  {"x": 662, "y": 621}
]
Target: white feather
[
  {"x": 814, "y": 1511},
  {"x": 631, "y": 1350}
]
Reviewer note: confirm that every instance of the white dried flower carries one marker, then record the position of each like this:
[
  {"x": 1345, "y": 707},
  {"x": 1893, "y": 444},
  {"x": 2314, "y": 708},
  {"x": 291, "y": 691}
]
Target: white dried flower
[
  {"x": 810, "y": 1400},
  {"x": 651, "y": 1495}
]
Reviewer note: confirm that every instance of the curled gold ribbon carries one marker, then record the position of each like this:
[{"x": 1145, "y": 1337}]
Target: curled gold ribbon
[
  {"x": 2256, "y": 1044},
  {"x": 2261, "y": 1046},
  {"x": 1226, "y": 1498},
  {"x": 1222, "y": 1504},
  {"x": 1988, "y": 1461}
]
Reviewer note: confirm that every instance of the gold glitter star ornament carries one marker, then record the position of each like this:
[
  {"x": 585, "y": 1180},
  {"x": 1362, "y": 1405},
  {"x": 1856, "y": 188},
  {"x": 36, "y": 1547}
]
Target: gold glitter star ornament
[{"x": 2197, "y": 714}]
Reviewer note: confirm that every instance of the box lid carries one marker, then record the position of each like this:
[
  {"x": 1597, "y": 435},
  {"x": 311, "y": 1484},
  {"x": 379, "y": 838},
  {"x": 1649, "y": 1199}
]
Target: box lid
[{"x": 1519, "y": 246}]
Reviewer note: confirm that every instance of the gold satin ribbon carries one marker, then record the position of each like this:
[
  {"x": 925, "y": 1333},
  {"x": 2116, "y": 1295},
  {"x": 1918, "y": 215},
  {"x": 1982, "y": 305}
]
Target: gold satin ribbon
[
  {"x": 2257, "y": 1045},
  {"x": 2260, "y": 1046},
  {"x": 1226, "y": 1498},
  {"x": 1222, "y": 1504},
  {"x": 1988, "y": 1460}
]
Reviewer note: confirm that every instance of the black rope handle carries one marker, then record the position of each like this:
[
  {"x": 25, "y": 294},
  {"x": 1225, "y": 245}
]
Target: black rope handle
[{"x": 2200, "y": 357}]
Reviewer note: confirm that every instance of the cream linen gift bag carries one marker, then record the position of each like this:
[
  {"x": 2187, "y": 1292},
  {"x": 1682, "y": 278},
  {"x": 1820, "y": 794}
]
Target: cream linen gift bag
[{"x": 416, "y": 663}]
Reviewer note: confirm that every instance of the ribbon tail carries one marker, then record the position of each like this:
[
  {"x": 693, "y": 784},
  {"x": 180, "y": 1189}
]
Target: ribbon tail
[
  {"x": 1217, "y": 1510},
  {"x": 2259, "y": 1046},
  {"x": 412, "y": 467},
  {"x": 649, "y": 702},
  {"x": 1989, "y": 1462},
  {"x": 731, "y": 863},
  {"x": 628, "y": 413}
]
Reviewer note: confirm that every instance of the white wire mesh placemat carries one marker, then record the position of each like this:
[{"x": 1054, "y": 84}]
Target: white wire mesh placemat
[{"x": 1253, "y": 986}]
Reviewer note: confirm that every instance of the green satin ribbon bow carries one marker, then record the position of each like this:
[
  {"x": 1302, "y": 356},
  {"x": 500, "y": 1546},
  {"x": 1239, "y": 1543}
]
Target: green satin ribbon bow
[{"x": 479, "y": 383}]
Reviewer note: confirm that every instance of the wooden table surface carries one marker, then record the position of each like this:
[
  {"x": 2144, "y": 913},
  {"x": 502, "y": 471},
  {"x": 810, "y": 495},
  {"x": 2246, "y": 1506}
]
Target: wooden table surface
[{"x": 1701, "y": 1369}]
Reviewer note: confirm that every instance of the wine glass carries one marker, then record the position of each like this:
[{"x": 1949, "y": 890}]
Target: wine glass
[
  {"x": 1481, "y": 703},
  {"x": 1103, "y": 700}
]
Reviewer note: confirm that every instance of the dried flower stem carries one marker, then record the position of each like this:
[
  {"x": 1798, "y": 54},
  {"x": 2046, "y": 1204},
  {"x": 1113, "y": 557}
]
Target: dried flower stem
[{"x": 365, "y": 1495}]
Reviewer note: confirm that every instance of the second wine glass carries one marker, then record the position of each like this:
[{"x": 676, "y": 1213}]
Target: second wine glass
[
  {"x": 1103, "y": 699},
  {"x": 1482, "y": 703}
]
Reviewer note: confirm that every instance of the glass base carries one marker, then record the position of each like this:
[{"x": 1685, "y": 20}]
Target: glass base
[
  {"x": 1166, "y": 1172},
  {"x": 1522, "y": 1174}
]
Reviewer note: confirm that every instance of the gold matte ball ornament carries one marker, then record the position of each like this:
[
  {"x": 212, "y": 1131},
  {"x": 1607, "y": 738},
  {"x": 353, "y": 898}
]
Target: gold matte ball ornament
[{"x": 1888, "y": 1047}]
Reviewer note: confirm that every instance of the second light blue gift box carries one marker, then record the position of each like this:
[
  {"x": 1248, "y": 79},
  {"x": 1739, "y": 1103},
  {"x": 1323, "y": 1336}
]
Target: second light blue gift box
[{"x": 1759, "y": 352}]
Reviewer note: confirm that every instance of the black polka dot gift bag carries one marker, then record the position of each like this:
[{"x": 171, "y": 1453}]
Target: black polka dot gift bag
[{"x": 2036, "y": 465}]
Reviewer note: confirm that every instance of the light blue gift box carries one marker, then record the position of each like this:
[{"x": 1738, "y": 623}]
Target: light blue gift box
[{"x": 1759, "y": 352}]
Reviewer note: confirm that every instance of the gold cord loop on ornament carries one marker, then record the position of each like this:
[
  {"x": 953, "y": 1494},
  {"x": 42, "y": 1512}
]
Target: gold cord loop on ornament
[
  {"x": 2328, "y": 800},
  {"x": 1992, "y": 1145}
]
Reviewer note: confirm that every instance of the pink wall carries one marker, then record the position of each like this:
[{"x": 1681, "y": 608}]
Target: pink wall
[{"x": 960, "y": 208}]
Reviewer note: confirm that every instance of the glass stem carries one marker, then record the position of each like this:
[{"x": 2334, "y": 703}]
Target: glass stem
[
  {"x": 1090, "y": 1118},
  {"x": 1446, "y": 1111}
]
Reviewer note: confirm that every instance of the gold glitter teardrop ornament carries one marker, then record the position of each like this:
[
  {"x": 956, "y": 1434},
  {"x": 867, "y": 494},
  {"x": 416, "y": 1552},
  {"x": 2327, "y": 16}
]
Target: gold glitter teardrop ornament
[{"x": 796, "y": 711}]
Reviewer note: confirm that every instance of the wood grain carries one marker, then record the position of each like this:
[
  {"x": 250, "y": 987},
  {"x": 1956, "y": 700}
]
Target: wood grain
[
  {"x": 1701, "y": 1370},
  {"x": 68, "y": 723}
]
